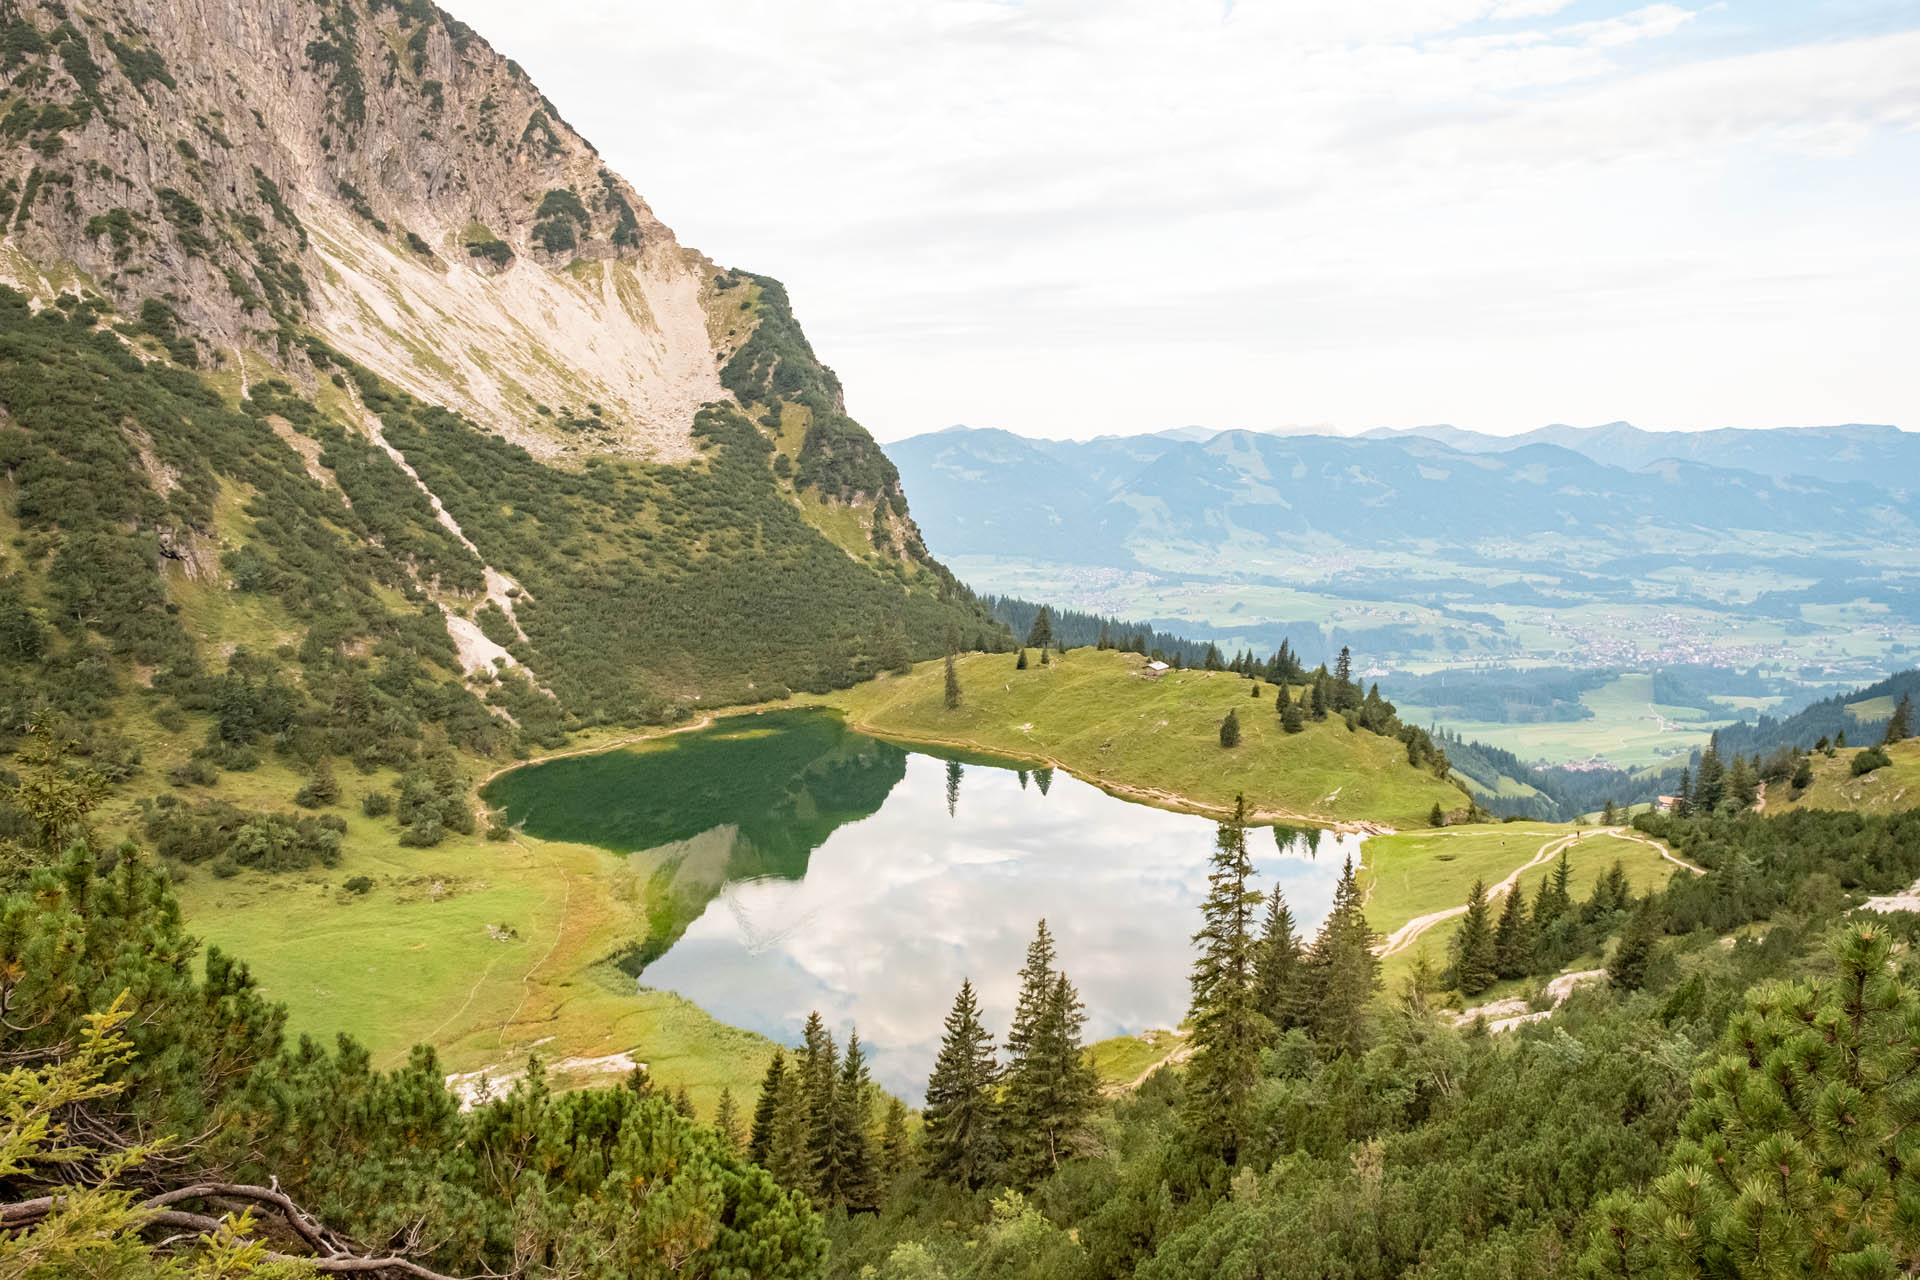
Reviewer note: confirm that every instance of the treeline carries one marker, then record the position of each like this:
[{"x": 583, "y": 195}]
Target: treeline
[
  {"x": 1075, "y": 629},
  {"x": 1565, "y": 793},
  {"x": 1827, "y": 718}
]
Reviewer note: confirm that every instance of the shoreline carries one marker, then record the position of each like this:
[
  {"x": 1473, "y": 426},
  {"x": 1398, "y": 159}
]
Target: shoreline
[{"x": 1155, "y": 796}]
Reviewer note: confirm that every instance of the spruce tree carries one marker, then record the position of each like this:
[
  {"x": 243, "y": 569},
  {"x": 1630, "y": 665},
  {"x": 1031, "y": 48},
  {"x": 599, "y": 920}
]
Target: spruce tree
[
  {"x": 1228, "y": 1028},
  {"x": 1040, "y": 634},
  {"x": 1437, "y": 817},
  {"x": 683, "y": 1102},
  {"x": 788, "y": 1158},
  {"x": 1340, "y": 974},
  {"x": 1281, "y": 699},
  {"x": 953, "y": 686},
  {"x": 1683, "y": 794},
  {"x": 1320, "y": 700},
  {"x": 962, "y": 1145},
  {"x": 726, "y": 1122},
  {"x": 1020, "y": 664},
  {"x": 1043, "y": 779},
  {"x": 1277, "y": 961},
  {"x": 1710, "y": 780},
  {"x": 1475, "y": 959},
  {"x": 844, "y": 1172},
  {"x": 1803, "y": 774},
  {"x": 1291, "y": 720},
  {"x": 1743, "y": 785},
  {"x": 760, "y": 1138},
  {"x": 954, "y": 773},
  {"x": 1513, "y": 939},
  {"x": 1230, "y": 730},
  {"x": 1633, "y": 954},
  {"x": 1900, "y": 723},
  {"x": 1049, "y": 1087},
  {"x": 819, "y": 1073},
  {"x": 896, "y": 1147}
]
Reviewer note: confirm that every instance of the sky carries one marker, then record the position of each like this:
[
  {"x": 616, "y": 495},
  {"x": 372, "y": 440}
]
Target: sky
[{"x": 1071, "y": 219}]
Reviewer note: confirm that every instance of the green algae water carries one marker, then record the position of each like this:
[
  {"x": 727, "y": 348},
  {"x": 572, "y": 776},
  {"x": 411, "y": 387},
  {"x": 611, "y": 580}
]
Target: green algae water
[{"x": 801, "y": 865}]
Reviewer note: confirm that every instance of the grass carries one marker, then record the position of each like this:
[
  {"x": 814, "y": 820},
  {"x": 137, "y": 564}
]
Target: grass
[
  {"x": 1888, "y": 789},
  {"x": 1587, "y": 861},
  {"x": 1121, "y": 1060},
  {"x": 1416, "y": 872},
  {"x": 1093, "y": 713},
  {"x": 1627, "y": 727}
]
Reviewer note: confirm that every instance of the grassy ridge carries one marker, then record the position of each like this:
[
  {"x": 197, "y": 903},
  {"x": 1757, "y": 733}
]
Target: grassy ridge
[
  {"x": 1093, "y": 713},
  {"x": 1888, "y": 789}
]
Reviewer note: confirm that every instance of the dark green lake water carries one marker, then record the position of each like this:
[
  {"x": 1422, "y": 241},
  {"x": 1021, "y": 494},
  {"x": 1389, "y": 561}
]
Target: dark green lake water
[{"x": 806, "y": 866}]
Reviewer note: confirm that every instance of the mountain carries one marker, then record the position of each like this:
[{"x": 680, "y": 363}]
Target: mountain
[
  {"x": 1240, "y": 498},
  {"x": 348, "y": 400},
  {"x": 1838, "y": 454}
]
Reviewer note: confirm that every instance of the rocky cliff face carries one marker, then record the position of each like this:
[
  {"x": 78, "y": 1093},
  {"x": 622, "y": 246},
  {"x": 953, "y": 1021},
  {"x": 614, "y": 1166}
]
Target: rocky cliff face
[
  {"x": 470, "y": 350},
  {"x": 374, "y": 174}
]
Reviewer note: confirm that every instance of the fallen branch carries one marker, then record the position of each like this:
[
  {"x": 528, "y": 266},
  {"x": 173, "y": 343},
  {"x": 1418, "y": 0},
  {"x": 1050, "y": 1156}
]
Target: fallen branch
[{"x": 332, "y": 1254}]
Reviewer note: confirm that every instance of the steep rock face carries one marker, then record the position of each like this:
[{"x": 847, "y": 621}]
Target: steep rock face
[
  {"x": 375, "y": 366},
  {"x": 375, "y": 174}
]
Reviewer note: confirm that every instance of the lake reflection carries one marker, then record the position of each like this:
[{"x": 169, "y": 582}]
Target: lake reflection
[{"x": 938, "y": 876}]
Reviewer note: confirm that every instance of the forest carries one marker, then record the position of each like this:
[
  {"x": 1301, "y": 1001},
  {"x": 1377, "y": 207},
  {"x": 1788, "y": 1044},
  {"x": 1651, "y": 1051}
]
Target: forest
[{"x": 1320, "y": 1125}]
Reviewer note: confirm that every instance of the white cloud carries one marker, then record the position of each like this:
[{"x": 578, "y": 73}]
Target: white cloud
[{"x": 1066, "y": 217}]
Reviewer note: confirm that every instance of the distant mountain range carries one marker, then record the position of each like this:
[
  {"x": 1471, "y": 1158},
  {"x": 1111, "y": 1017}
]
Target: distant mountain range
[
  {"x": 1237, "y": 498},
  {"x": 1855, "y": 451}
]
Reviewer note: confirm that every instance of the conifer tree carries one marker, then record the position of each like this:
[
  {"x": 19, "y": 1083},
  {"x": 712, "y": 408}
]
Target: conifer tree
[
  {"x": 1475, "y": 958},
  {"x": 760, "y": 1138},
  {"x": 1050, "y": 1088},
  {"x": 1803, "y": 774},
  {"x": 1553, "y": 900},
  {"x": 1020, "y": 664},
  {"x": 819, "y": 1073},
  {"x": 1340, "y": 974},
  {"x": 1320, "y": 700},
  {"x": 1609, "y": 815},
  {"x": 843, "y": 1168},
  {"x": 1228, "y": 1028},
  {"x": 683, "y": 1102},
  {"x": 1513, "y": 939},
  {"x": 1281, "y": 699},
  {"x": 1710, "y": 781},
  {"x": 1230, "y": 730},
  {"x": 954, "y": 773},
  {"x": 1900, "y": 723},
  {"x": 1040, "y": 634},
  {"x": 962, "y": 1143},
  {"x": 1291, "y": 720},
  {"x": 1743, "y": 785},
  {"x": 1437, "y": 817},
  {"x": 1043, "y": 779},
  {"x": 1683, "y": 794},
  {"x": 896, "y": 1148},
  {"x": 1633, "y": 954},
  {"x": 788, "y": 1158},
  {"x": 953, "y": 686},
  {"x": 1277, "y": 961},
  {"x": 726, "y": 1122},
  {"x": 1796, "y": 1157}
]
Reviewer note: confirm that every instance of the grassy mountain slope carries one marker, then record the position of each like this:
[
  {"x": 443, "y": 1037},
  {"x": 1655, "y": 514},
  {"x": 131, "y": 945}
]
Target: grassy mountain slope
[
  {"x": 359, "y": 433},
  {"x": 1093, "y": 713},
  {"x": 1892, "y": 788}
]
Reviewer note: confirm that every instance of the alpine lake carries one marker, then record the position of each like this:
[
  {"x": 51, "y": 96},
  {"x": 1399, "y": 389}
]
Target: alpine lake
[{"x": 800, "y": 865}]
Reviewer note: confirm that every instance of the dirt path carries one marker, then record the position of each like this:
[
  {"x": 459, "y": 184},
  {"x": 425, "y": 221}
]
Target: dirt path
[
  {"x": 1660, "y": 849},
  {"x": 1403, "y": 937},
  {"x": 1180, "y": 1054}
]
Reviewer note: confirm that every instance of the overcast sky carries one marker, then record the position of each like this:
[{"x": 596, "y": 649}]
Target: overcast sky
[{"x": 1069, "y": 218}]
